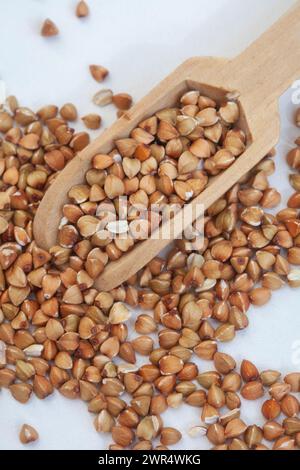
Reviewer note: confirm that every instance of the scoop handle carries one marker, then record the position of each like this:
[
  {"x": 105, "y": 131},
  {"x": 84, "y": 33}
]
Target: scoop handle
[{"x": 270, "y": 64}]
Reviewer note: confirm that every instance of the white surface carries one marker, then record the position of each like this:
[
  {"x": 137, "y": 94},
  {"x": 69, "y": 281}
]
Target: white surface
[{"x": 140, "y": 42}]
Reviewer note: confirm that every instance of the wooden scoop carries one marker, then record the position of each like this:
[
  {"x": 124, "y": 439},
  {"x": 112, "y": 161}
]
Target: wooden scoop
[{"x": 258, "y": 76}]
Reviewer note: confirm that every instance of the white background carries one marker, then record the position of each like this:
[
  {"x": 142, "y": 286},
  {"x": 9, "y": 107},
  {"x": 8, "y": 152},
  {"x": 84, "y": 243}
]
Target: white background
[{"x": 140, "y": 42}]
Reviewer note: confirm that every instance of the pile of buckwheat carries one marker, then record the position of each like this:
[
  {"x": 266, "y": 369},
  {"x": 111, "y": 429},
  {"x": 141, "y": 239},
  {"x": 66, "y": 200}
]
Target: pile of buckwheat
[{"x": 58, "y": 332}]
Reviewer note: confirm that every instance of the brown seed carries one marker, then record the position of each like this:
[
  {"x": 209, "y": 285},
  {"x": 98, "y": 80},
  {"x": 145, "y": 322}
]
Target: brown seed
[
  {"x": 21, "y": 392},
  {"x": 114, "y": 186},
  {"x": 145, "y": 324},
  {"x": 142, "y": 445},
  {"x": 224, "y": 363},
  {"x": 170, "y": 436},
  {"x": 63, "y": 360},
  {"x": 68, "y": 112},
  {"x": 185, "y": 388},
  {"x": 88, "y": 390},
  {"x": 7, "y": 377},
  {"x": 97, "y": 404},
  {"x": 168, "y": 338},
  {"x": 41, "y": 366},
  {"x": 42, "y": 387},
  {"x": 271, "y": 409},
  {"x": 231, "y": 382},
  {"x": 103, "y": 97},
  {"x": 24, "y": 116},
  {"x": 69, "y": 341},
  {"x": 297, "y": 118},
  {"x": 272, "y": 281},
  {"x": 170, "y": 365},
  {"x": 229, "y": 112},
  {"x": 269, "y": 377},
  {"x": 174, "y": 400},
  {"x": 11, "y": 354},
  {"x": 294, "y": 201},
  {"x": 115, "y": 405},
  {"x": 158, "y": 405},
  {"x": 149, "y": 372},
  {"x": 82, "y": 9},
  {"x": 110, "y": 347},
  {"x": 92, "y": 121},
  {"x": 141, "y": 404},
  {"x": 284, "y": 443},
  {"x": 24, "y": 370},
  {"x": 209, "y": 415},
  {"x": 98, "y": 72},
  {"x": 58, "y": 377},
  {"x": 6, "y": 333},
  {"x": 290, "y": 406},
  {"x": 166, "y": 131},
  {"x": 47, "y": 112},
  {"x": 104, "y": 421},
  {"x": 112, "y": 387},
  {"x": 206, "y": 350},
  {"x": 3, "y": 357},
  {"x": 294, "y": 255},
  {"x": 225, "y": 333},
  {"x": 232, "y": 400},
  {"x": 216, "y": 397},
  {"x": 143, "y": 345},
  {"x": 6, "y": 122},
  {"x": 29, "y": 142},
  {"x": 127, "y": 352},
  {"x": 119, "y": 313},
  {"x": 293, "y": 380},
  {"x": 249, "y": 371},
  {"x": 235, "y": 428},
  {"x": 272, "y": 430},
  {"x": 252, "y": 390},
  {"x": 73, "y": 295},
  {"x": 279, "y": 390},
  {"x": 232, "y": 414},
  {"x": 295, "y": 181},
  {"x": 148, "y": 428},
  {"x": 216, "y": 434},
  {"x": 271, "y": 198},
  {"x": 54, "y": 330},
  {"x": 294, "y": 278},
  {"x": 70, "y": 389},
  {"x": 260, "y": 296},
  {"x": 122, "y": 101},
  {"x": 237, "y": 445},
  {"x": 28, "y": 434},
  {"x": 293, "y": 158},
  {"x": 181, "y": 352},
  {"x": 55, "y": 159},
  {"x": 79, "y": 141},
  {"x": 122, "y": 435},
  {"x": 197, "y": 399},
  {"x": 115, "y": 447},
  {"x": 49, "y": 28},
  {"x": 165, "y": 384},
  {"x": 253, "y": 436},
  {"x": 291, "y": 426},
  {"x": 188, "y": 372}
]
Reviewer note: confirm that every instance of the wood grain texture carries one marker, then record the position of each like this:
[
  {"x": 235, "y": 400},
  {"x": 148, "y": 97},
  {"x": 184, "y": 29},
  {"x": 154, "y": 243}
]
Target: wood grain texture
[{"x": 260, "y": 74}]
